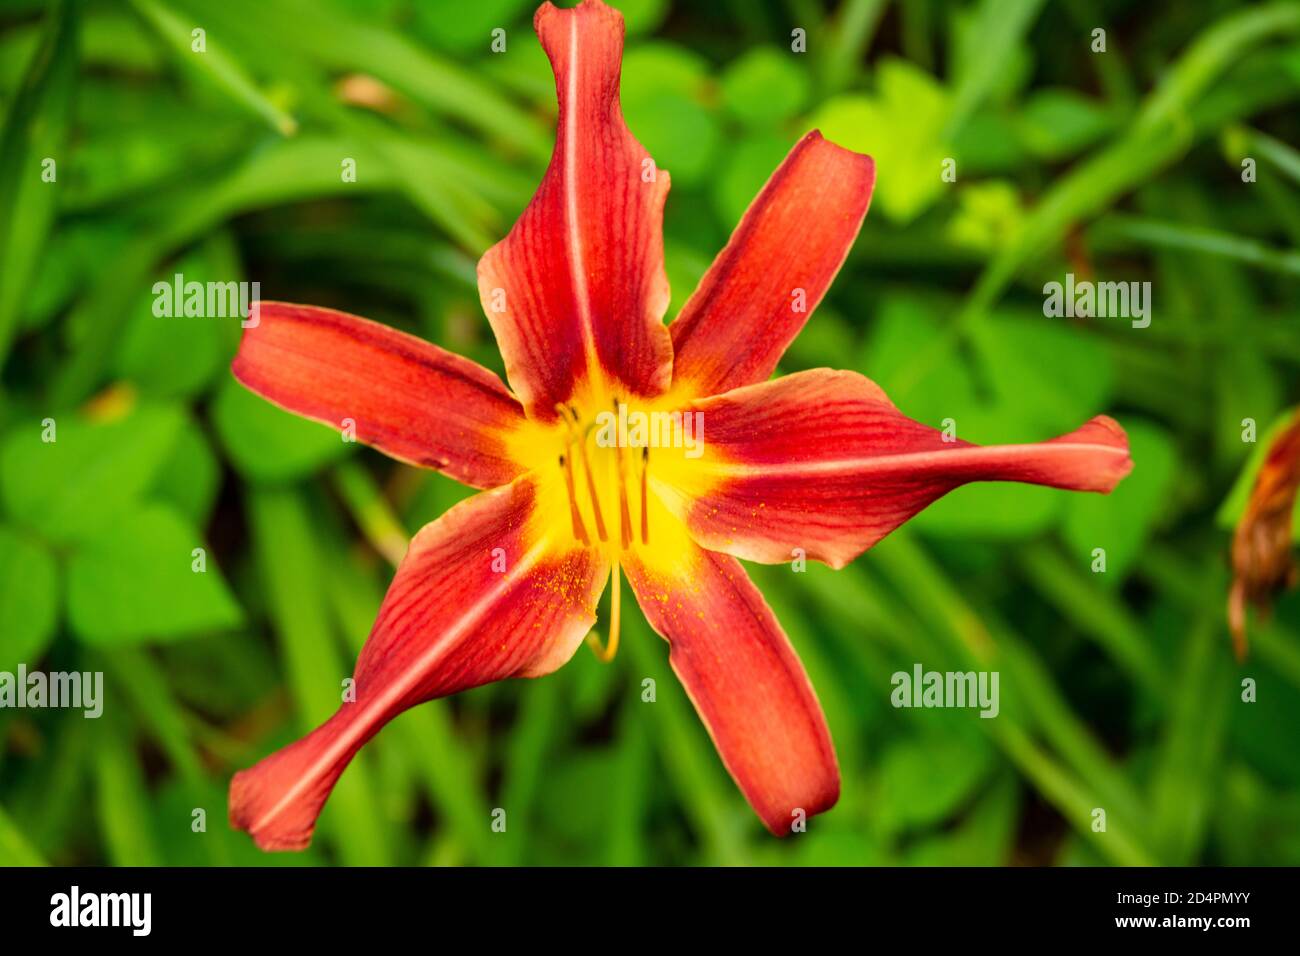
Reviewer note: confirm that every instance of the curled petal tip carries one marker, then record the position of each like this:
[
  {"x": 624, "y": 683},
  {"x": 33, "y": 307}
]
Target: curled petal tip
[
  {"x": 278, "y": 800},
  {"x": 1108, "y": 465}
]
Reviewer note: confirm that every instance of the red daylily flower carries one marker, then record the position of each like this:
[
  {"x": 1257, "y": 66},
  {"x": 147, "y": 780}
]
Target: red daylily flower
[{"x": 506, "y": 583}]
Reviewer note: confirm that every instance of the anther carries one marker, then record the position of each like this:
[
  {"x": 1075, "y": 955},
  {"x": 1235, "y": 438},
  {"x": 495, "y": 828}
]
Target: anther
[{"x": 570, "y": 414}]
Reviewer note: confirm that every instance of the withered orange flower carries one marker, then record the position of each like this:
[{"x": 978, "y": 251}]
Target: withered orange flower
[
  {"x": 506, "y": 583},
  {"x": 1262, "y": 562}
]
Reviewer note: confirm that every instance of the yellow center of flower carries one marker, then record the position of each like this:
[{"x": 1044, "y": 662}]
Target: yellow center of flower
[{"x": 616, "y": 472}]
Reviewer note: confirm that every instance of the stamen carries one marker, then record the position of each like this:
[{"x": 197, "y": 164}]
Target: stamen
[
  {"x": 579, "y": 529},
  {"x": 606, "y": 653},
  {"x": 570, "y": 415},
  {"x": 591, "y": 490},
  {"x": 624, "y": 513},
  {"x": 645, "y": 507}
]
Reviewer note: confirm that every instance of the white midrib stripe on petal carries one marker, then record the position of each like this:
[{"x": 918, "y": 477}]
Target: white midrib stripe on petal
[
  {"x": 906, "y": 460},
  {"x": 573, "y": 237},
  {"x": 449, "y": 640}
]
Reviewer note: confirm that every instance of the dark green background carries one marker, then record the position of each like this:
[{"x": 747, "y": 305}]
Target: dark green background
[{"x": 1118, "y": 690}]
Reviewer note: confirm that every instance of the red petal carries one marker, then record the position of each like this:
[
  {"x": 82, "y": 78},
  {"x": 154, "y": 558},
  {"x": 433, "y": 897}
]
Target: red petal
[
  {"x": 746, "y": 683},
  {"x": 794, "y": 236},
  {"x": 581, "y": 272},
  {"x": 823, "y": 461},
  {"x": 408, "y": 398},
  {"x": 449, "y": 622}
]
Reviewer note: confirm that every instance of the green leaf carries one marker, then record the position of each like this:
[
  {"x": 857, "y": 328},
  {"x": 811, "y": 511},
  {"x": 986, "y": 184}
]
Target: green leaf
[
  {"x": 29, "y": 599},
  {"x": 1046, "y": 372},
  {"x": 662, "y": 95},
  {"x": 901, "y": 127},
  {"x": 136, "y": 582},
  {"x": 987, "y": 53},
  {"x": 988, "y": 217},
  {"x": 467, "y": 27},
  {"x": 1160, "y": 134},
  {"x": 1122, "y": 521},
  {"x": 32, "y": 136},
  {"x": 178, "y": 355},
  {"x": 281, "y": 172},
  {"x": 923, "y": 782},
  {"x": 71, "y": 488},
  {"x": 122, "y": 798},
  {"x": 902, "y": 321},
  {"x": 339, "y": 42},
  {"x": 764, "y": 87},
  {"x": 190, "y": 477},
  {"x": 992, "y": 510},
  {"x": 267, "y": 443},
  {"x": 15, "y": 850},
  {"x": 1059, "y": 122},
  {"x": 641, "y": 16},
  {"x": 213, "y": 63}
]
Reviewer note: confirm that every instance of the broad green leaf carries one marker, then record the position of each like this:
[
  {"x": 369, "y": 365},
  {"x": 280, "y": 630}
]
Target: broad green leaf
[
  {"x": 662, "y": 96},
  {"x": 765, "y": 86},
  {"x": 190, "y": 477},
  {"x": 1046, "y": 372},
  {"x": 174, "y": 355},
  {"x": 29, "y": 599},
  {"x": 988, "y": 217},
  {"x": 1059, "y": 122},
  {"x": 71, "y": 488},
  {"x": 984, "y": 836},
  {"x": 72, "y": 254},
  {"x": 283, "y": 172},
  {"x": 903, "y": 320},
  {"x": 901, "y": 128},
  {"x": 136, "y": 581},
  {"x": 992, "y": 510},
  {"x": 642, "y": 16},
  {"x": 468, "y": 27},
  {"x": 266, "y": 443},
  {"x": 923, "y": 782}
]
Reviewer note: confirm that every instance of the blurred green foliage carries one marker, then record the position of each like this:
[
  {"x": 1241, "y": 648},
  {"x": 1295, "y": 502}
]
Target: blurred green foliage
[{"x": 1118, "y": 690}]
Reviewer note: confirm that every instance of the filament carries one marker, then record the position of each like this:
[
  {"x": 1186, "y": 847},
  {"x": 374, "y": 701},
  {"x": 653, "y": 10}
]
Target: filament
[
  {"x": 624, "y": 514},
  {"x": 579, "y": 529},
  {"x": 570, "y": 415}
]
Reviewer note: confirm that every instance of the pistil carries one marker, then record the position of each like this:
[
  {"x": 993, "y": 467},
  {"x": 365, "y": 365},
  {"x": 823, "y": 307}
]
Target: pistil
[{"x": 605, "y": 653}]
